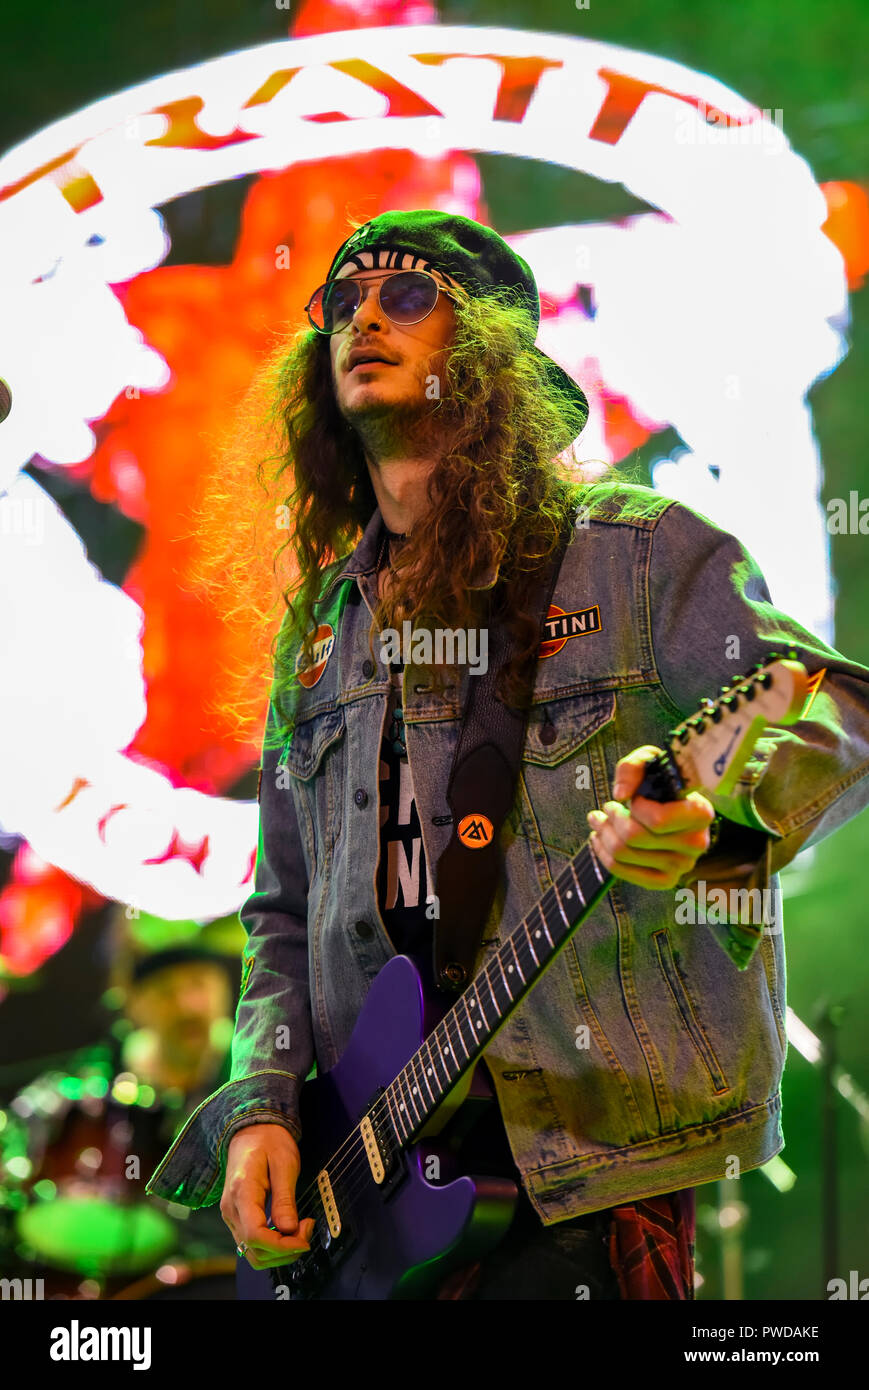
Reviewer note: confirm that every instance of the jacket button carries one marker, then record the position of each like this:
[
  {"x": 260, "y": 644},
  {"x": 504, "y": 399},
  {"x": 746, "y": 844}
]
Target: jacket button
[
  {"x": 549, "y": 733},
  {"x": 364, "y": 929},
  {"x": 360, "y": 796},
  {"x": 368, "y": 668}
]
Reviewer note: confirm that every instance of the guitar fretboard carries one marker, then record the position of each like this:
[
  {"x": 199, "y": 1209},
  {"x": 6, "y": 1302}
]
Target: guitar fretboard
[{"x": 467, "y": 1028}]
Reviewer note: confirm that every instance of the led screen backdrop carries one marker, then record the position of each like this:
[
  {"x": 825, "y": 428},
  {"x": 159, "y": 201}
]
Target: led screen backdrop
[{"x": 696, "y": 315}]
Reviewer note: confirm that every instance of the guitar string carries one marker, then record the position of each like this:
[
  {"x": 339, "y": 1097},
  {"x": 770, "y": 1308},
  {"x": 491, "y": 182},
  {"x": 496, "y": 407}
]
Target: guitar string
[
  {"x": 357, "y": 1156},
  {"x": 382, "y": 1103},
  {"x": 351, "y": 1182},
  {"x": 353, "y": 1149},
  {"x": 356, "y": 1143}
]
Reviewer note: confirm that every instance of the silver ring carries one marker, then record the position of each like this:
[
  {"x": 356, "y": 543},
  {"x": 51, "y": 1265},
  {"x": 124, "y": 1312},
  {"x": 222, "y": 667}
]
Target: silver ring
[{"x": 241, "y": 1249}]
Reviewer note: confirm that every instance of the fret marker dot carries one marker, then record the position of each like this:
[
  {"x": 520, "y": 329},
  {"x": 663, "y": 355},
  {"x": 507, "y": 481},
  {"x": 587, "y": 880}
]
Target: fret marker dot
[
  {"x": 569, "y": 893},
  {"x": 537, "y": 933},
  {"x": 446, "y": 1050},
  {"x": 413, "y": 1088},
  {"x": 401, "y": 1107},
  {"x": 479, "y": 1023},
  {"x": 428, "y": 1071},
  {"x": 509, "y": 968}
]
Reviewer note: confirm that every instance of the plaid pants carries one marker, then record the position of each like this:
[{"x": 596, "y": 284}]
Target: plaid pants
[{"x": 640, "y": 1250}]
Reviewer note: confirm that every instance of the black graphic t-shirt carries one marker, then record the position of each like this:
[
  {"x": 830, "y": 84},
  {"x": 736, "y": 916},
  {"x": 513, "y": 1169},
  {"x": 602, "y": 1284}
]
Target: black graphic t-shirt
[
  {"x": 402, "y": 881},
  {"x": 402, "y": 888}
]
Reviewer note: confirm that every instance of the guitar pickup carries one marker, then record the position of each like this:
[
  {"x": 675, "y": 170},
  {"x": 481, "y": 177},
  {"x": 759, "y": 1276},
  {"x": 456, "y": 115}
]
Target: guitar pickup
[
  {"x": 330, "y": 1206},
  {"x": 376, "y": 1160},
  {"x": 378, "y": 1142}
]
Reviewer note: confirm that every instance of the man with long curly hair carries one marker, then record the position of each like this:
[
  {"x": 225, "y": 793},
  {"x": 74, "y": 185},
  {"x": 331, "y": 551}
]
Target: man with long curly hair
[{"x": 424, "y": 440}]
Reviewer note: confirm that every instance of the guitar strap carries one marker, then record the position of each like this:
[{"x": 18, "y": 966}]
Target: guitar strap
[{"x": 480, "y": 793}]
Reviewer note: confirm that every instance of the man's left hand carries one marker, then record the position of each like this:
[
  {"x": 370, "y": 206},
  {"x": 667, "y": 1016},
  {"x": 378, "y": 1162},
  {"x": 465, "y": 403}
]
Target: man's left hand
[{"x": 654, "y": 843}]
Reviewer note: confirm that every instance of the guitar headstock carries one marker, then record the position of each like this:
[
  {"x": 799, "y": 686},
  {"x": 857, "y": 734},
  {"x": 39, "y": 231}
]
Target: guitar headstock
[
  {"x": 707, "y": 752},
  {"x": 711, "y": 748}
]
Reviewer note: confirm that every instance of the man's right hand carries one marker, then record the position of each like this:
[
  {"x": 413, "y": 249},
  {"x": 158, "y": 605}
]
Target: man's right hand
[{"x": 262, "y": 1159}]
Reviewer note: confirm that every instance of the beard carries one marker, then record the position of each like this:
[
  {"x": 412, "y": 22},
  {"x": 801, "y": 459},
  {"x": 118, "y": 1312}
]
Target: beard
[{"x": 389, "y": 429}]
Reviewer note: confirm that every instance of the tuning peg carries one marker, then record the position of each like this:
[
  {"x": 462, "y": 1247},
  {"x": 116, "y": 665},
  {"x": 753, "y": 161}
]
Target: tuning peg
[
  {"x": 710, "y": 709},
  {"x": 765, "y": 680}
]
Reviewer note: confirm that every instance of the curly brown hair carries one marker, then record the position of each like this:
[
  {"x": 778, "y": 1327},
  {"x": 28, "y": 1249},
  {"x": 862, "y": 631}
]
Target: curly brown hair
[{"x": 502, "y": 495}]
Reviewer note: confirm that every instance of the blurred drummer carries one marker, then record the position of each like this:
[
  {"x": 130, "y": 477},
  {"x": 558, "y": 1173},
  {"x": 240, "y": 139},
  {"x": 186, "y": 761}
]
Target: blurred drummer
[
  {"x": 178, "y": 1000},
  {"x": 89, "y": 1135}
]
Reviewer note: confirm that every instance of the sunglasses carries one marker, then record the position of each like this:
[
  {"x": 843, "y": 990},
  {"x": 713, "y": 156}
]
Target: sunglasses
[{"x": 405, "y": 298}]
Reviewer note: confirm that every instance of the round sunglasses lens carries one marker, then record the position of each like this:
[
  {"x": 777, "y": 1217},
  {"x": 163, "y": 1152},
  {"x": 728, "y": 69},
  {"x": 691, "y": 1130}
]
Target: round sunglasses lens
[
  {"x": 408, "y": 297},
  {"x": 333, "y": 305}
]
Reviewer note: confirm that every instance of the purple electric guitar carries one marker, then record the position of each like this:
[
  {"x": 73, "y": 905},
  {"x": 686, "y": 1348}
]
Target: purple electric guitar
[{"x": 383, "y": 1228}]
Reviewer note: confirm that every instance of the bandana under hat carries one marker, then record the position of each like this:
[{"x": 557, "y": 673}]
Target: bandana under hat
[{"x": 391, "y": 258}]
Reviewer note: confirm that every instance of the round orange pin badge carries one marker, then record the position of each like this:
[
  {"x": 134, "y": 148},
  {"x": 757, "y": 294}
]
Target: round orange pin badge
[{"x": 475, "y": 830}]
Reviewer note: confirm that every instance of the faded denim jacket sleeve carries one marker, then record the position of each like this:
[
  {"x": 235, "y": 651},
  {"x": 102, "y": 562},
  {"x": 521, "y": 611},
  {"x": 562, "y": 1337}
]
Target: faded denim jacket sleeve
[
  {"x": 712, "y": 617},
  {"x": 272, "y": 1047}
]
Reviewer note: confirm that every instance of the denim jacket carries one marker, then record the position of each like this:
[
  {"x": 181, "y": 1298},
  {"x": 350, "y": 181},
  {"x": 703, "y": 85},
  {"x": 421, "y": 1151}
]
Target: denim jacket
[{"x": 650, "y": 1054}]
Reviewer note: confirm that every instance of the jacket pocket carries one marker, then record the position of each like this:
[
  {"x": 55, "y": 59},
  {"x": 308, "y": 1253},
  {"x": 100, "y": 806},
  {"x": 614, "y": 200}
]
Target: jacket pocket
[
  {"x": 313, "y": 759},
  {"x": 687, "y": 1009},
  {"x": 557, "y": 728},
  {"x": 310, "y": 739},
  {"x": 553, "y": 792}
]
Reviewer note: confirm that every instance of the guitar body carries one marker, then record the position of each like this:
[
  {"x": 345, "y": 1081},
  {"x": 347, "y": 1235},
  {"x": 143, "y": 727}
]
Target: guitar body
[{"x": 399, "y": 1238}]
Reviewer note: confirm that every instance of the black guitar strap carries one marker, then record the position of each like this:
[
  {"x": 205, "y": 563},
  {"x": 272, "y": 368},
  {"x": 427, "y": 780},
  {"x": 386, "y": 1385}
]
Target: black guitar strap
[{"x": 480, "y": 793}]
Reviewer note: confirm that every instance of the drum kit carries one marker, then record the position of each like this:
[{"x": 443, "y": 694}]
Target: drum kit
[{"x": 83, "y": 1225}]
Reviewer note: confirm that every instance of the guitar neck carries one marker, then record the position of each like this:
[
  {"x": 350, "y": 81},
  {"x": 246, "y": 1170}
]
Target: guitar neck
[{"x": 466, "y": 1030}]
